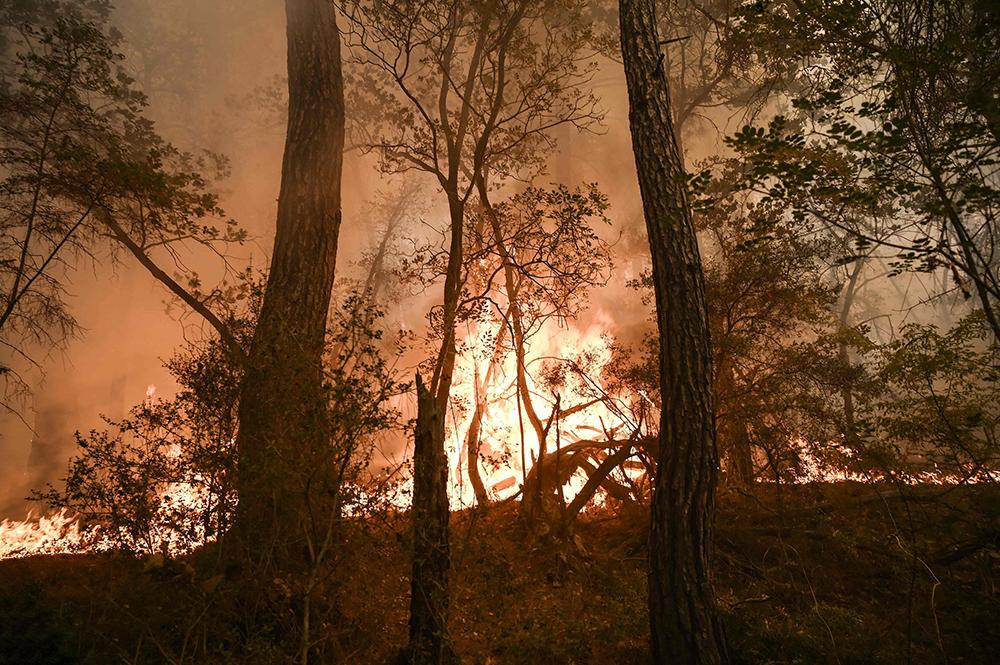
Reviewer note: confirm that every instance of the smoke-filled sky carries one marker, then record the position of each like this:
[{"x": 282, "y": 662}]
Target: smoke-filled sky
[{"x": 213, "y": 72}]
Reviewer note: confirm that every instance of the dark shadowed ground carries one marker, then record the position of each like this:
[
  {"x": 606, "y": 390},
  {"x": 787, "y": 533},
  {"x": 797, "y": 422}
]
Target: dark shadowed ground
[{"x": 811, "y": 574}]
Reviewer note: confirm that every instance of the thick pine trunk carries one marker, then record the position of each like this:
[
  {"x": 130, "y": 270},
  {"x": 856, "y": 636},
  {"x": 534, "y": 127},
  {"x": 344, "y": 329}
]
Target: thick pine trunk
[
  {"x": 685, "y": 624},
  {"x": 282, "y": 424},
  {"x": 429, "y": 644}
]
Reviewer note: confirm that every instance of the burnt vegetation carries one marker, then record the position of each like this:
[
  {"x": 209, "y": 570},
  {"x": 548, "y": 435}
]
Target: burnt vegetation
[{"x": 668, "y": 334}]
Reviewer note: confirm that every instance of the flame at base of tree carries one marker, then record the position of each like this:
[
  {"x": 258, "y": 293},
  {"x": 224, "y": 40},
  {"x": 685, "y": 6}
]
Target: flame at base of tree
[
  {"x": 566, "y": 367},
  {"x": 62, "y": 532}
]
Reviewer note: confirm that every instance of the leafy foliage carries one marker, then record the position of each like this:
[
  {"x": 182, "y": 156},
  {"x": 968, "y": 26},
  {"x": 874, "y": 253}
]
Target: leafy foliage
[
  {"x": 163, "y": 478},
  {"x": 932, "y": 407},
  {"x": 548, "y": 238},
  {"x": 769, "y": 313},
  {"x": 889, "y": 140},
  {"x": 84, "y": 171}
]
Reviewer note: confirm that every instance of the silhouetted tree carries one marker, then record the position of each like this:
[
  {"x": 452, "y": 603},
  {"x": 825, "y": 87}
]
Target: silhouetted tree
[
  {"x": 685, "y": 625},
  {"x": 458, "y": 90},
  {"x": 283, "y": 433},
  {"x": 896, "y": 128},
  {"x": 85, "y": 175}
]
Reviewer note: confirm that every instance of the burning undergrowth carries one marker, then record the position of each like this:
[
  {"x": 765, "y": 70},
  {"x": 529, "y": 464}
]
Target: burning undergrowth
[
  {"x": 160, "y": 480},
  {"x": 794, "y": 581},
  {"x": 553, "y": 413}
]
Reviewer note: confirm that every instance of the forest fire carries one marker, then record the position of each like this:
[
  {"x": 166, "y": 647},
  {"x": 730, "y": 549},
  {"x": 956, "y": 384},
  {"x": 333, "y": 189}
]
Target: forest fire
[
  {"x": 507, "y": 332},
  {"x": 571, "y": 360},
  {"x": 563, "y": 369},
  {"x": 61, "y": 532},
  {"x": 56, "y": 533}
]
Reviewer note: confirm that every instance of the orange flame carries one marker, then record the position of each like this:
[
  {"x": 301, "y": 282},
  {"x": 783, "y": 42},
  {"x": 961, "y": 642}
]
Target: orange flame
[
  {"x": 503, "y": 423},
  {"x": 57, "y": 533}
]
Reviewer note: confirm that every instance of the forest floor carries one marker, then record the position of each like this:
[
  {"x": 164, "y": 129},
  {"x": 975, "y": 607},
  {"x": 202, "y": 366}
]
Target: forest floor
[{"x": 841, "y": 574}]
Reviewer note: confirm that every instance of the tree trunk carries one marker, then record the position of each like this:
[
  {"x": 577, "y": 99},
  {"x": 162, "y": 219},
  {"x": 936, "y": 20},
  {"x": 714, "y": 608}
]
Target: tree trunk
[
  {"x": 685, "y": 625},
  {"x": 472, "y": 448},
  {"x": 732, "y": 429},
  {"x": 429, "y": 642},
  {"x": 282, "y": 424},
  {"x": 844, "y": 353},
  {"x": 531, "y": 499},
  {"x": 472, "y": 440},
  {"x": 741, "y": 455}
]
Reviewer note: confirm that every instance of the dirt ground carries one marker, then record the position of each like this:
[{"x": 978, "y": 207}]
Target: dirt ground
[{"x": 841, "y": 574}]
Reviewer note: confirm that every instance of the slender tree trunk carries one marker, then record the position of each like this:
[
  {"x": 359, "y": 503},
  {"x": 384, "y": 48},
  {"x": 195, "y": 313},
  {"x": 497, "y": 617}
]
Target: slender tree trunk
[
  {"x": 472, "y": 447},
  {"x": 282, "y": 424},
  {"x": 429, "y": 644},
  {"x": 685, "y": 626},
  {"x": 531, "y": 499},
  {"x": 742, "y": 456},
  {"x": 969, "y": 260},
  {"x": 516, "y": 318},
  {"x": 733, "y": 433},
  {"x": 444, "y": 367},
  {"x": 472, "y": 443},
  {"x": 844, "y": 353}
]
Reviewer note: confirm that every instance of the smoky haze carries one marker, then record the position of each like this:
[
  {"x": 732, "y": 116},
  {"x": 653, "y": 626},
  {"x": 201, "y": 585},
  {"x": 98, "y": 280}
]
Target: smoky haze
[
  {"x": 214, "y": 75},
  {"x": 213, "y": 72},
  {"x": 207, "y": 69}
]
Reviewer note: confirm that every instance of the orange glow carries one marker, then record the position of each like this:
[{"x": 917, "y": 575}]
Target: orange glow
[
  {"x": 61, "y": 532},
  {"x": 57, "y": 533},
  {"x": 554, "y": 346}
]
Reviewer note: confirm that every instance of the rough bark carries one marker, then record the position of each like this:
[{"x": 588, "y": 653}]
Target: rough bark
[
  {"x": 429, "y": 642},
  {"x": 684, "y": 621},
  {"x": 281, "y": 405}
]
